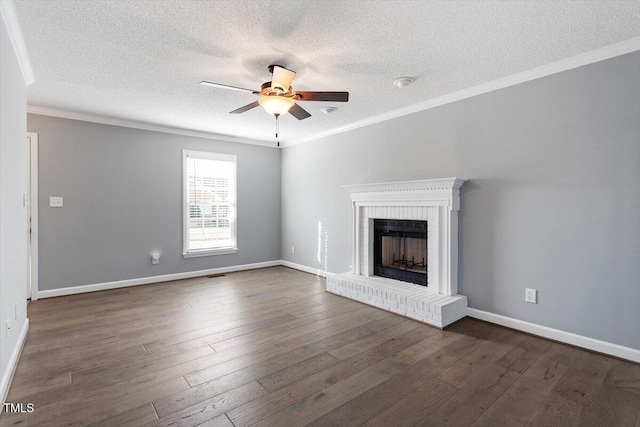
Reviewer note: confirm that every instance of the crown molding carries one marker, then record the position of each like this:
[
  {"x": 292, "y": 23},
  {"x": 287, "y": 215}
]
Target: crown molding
[
  {"x": 42, "y": 111},
  {"x": 10, "y": 19},
  {"x": 580, "y": 60},
  {"x": 607, "y": 52}
]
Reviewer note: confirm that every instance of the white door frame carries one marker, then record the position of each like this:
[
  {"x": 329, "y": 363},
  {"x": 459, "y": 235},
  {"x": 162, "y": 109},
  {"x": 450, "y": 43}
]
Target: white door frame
[{"x": 33, "y": 214}]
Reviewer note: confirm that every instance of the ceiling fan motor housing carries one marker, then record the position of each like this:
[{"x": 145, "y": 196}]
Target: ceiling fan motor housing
[{"x": 267, "y": 89}]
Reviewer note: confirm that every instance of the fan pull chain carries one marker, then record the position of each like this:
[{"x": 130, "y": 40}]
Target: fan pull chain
[{"x": 277, "y": 130}]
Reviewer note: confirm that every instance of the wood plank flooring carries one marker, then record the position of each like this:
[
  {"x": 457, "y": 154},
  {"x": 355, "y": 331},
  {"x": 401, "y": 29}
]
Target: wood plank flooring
[{"x": 270, "y": 347}]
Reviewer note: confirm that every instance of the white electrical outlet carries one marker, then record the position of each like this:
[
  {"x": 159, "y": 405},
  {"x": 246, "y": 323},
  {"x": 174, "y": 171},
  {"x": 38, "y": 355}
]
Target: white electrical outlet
[
  {"x": 531, "y": 295},
  {"x": 293, "y": 249},
  {"x": 155, "y": 258}
]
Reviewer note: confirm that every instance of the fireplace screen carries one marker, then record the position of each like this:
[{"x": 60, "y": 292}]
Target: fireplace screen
[{"x": 400, "y": 250}]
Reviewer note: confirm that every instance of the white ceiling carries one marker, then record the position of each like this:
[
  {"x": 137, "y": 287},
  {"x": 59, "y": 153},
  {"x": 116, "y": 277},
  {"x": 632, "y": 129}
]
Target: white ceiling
[{"x": 142, "y": 60}]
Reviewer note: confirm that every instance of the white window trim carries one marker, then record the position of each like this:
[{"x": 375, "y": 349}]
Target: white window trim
[
  {"x": 209, "y": 252},
  {"x": 185, "y": 207}
]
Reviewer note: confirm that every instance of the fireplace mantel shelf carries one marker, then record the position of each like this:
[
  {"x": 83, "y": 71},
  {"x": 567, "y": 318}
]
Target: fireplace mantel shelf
[
  {"x": 442, "y": 191},
  {"x": 417, "y": 185}
]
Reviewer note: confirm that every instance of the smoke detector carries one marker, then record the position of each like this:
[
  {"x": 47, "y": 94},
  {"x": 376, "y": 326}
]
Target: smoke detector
[
  {"x": 403, "y": 82},
  {"x": 328, "y": 110}
]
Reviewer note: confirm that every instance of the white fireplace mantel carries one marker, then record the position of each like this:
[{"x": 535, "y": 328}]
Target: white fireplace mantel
[{"x": 435, "y": 200}]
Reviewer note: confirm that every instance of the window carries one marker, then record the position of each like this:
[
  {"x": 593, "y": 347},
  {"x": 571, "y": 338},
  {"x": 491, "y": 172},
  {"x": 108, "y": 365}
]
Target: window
[{"x": 209, "y": 193}]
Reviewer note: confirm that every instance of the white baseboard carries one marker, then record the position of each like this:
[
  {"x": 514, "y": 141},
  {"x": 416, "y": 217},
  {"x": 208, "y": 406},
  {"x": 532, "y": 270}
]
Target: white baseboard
[
  {"x": 153, "y": 279},
  {"x": 306, "y": 269},
  {"x": 616, "y": 350},
  {"x": 13, "y": 362}
]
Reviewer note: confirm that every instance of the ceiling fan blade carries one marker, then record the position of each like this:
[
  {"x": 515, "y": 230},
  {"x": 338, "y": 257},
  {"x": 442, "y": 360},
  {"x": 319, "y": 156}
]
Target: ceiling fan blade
[
  {"x": 298, "y": 112},
  {"x": 218, "y": 85},
  {"x": 282, "y": 78},
  {"x": 323, "y": 96},
  {"x": 245, "y": 108}
]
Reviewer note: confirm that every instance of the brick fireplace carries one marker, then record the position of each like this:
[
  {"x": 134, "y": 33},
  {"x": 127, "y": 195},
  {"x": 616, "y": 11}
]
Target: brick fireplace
[{"x": 434, "y": 203}]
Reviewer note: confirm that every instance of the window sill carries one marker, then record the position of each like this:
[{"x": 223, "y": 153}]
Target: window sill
[{"x": 211, "y": 252}]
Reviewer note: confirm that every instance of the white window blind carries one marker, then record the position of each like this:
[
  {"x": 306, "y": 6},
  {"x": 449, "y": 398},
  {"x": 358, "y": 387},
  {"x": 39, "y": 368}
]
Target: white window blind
[{"x": 209, "y": 203}]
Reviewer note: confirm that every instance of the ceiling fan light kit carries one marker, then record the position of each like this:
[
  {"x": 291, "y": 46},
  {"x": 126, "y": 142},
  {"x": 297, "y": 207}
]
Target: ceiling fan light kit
[{"x": 276, "y": 105}]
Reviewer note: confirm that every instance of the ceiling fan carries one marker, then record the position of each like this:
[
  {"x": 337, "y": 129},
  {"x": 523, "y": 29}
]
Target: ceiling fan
[{"x": 277, "y": 97}]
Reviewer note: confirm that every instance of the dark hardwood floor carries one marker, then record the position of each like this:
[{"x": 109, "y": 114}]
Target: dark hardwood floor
[{"x": 270, "y": 347}]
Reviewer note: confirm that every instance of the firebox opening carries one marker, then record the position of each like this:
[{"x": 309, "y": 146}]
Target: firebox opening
[{"x": 400, "y": 250}]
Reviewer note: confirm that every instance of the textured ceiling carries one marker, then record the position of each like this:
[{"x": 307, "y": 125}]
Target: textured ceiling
[{"x": 142, "y": 60}]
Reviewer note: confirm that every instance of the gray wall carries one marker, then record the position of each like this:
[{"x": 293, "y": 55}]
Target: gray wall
[
  {"x": 13, "y": 214},
  {"x": 122, "y": 192},
  {"x": 553, "y": 200}
]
